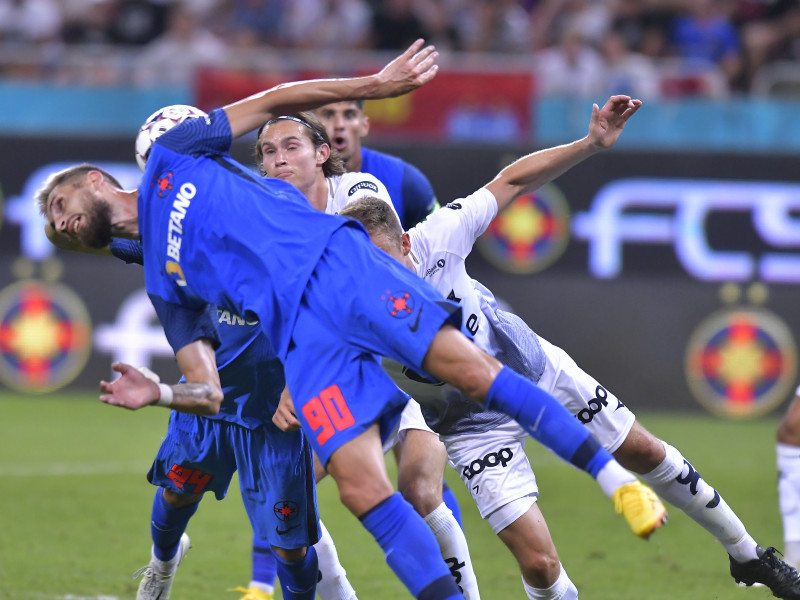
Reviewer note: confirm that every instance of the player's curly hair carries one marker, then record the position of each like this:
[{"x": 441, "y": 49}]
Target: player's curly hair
[{"x": 316, "y": 133}]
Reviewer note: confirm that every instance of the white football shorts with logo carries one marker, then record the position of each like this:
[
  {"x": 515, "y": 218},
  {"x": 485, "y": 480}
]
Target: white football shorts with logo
[
  {"x": 608, "y": 419},
  {"x": 498, "y": 475},
  {"x": 410, "y": 418}
]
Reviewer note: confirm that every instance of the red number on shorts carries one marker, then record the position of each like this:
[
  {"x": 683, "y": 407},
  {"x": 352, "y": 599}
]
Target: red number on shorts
[
  {"x": 336, "y": 407},
  {"x": 331, "y": 414},
  {"x": 317, "y": 419},
  {"x": 182, "y": 476}
]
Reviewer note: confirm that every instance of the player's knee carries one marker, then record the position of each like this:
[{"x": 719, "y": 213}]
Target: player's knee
[
  {"x": 177, "y": 500},
  {"x": 361, "y": 498},
  {"x": 641, "y": 451},
  {"x": 539, "y": 569},
  {"x": 290, "y": 554},
  {"x": 425, "y": 496}
]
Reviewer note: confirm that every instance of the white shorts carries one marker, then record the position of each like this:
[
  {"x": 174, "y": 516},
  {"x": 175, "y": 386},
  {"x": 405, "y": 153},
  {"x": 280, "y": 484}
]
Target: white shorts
[
  {"x": 608, "y": 419},
  {"x": 495, "y": 469},
  {"x": 410, "y": 418}
]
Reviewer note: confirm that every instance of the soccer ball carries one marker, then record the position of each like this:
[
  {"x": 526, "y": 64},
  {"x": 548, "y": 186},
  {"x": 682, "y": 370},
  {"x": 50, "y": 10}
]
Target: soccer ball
[{"x": 160, "y": 121}]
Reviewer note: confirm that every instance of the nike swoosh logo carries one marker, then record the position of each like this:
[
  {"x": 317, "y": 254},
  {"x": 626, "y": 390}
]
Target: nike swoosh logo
[
  {"x": 415, "y": 326},
  {"x": 285, "y": 531}
]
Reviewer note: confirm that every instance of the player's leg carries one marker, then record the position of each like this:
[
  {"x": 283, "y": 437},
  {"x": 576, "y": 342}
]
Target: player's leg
[
  {"x": 497, "y": 473},
  {"x": 419, "y": 480},
  {"x": 276, "y": 473},
  {"x": 448, "y": 497},
  {"x": 408, "y": 544},
  {"x": 788, "y": 453},
  {"x": 677, "y": 481},
  {"x": 340, "y": 396},
  {"x": 452, "y": 358},
  {"x": 183, "y": 469},
  {"x": 528, "y": 539}
]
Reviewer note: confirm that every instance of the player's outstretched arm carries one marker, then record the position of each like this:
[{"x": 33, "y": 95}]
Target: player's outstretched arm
[
  {"x": 200, "y": 395},
  {"x": 413, "y": 68},
  {"x": 534, "y": 170}
]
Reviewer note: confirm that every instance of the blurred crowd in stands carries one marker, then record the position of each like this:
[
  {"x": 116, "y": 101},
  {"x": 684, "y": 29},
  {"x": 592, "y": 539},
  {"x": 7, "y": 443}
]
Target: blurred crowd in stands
[{"x": 577, "y": 47}]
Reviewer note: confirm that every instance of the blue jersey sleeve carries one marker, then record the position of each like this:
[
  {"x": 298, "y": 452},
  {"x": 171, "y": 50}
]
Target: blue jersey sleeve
[
  {"x": 183, "y": 325},
  {"x": 130, "y": 251},
  {"x": 418, "y": 197},
  {"x": 200, "y": 135}
]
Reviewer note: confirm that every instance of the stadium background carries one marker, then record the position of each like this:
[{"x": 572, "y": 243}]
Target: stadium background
[{"x": 667, "y": 267}]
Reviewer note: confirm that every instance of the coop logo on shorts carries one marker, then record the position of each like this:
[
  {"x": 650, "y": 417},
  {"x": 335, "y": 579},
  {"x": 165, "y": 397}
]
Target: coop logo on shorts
[
  {"x": 399, "y": 304},
  {"x": 45, "y": 336},
  {"x": 741, "y": 362},
  {"x": 494, "y": 459},
  {"x": 286, "y": 510},
  {"x": 530, "y": 235},
  {"x": 164, "y": 184}
]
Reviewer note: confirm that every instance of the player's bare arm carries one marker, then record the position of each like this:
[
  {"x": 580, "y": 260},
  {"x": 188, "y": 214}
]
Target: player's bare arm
[
  {"x": 534, "y": 170},
  {"x": 200, "y": 395},
  {"x": 413, "y": 68}
]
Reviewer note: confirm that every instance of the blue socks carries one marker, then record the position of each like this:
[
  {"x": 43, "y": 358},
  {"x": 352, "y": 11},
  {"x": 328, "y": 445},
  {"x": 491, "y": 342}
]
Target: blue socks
[
  {"x": 167, "y": 525},
  {"x": 265, "y": 566},
  {"x": 450, "y": 502},
  {"x": 411, "y": 550},
  {"x": 543, "y": 417},
  {"x": 298, "y": 578}
]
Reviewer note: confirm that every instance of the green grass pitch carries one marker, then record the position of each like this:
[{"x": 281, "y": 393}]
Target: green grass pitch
[{"x": 74, "y": 522}]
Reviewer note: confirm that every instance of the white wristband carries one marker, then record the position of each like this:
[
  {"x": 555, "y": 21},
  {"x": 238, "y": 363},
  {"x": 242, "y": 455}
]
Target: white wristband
[
  {"x": 797, "y": 391},
  {"x": 166, "y": 395}
]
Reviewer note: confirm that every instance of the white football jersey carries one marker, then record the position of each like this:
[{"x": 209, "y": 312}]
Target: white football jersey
[
  {"x": 439, "y": 248},
  {"x": 343, "y": 189}
]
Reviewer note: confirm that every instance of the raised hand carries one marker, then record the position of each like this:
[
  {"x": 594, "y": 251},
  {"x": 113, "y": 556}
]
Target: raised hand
[
  {"x": 413, "y": 68},
  {"x": 608, "y": 122}
]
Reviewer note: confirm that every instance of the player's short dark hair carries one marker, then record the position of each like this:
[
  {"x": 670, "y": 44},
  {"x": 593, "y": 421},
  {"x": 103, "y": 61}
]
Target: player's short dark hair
[
  {"x": 377, "y": 216},
  {"x": 65, "y": 175},
  {"x": 316, "y": 133}
]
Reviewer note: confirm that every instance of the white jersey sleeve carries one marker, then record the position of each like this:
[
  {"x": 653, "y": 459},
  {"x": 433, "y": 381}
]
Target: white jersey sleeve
[{"x": 344, "y": 189}]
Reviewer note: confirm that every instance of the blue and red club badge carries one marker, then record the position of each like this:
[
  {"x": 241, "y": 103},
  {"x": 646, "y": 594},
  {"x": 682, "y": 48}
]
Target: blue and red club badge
[
  {"x": 529, "y": 235},
  {"x": 45, "y": 336},
  {"x": 741, "y": 362},
  {"x": 286, "y": 510},
  {"x": 164, "y": 184},
  {"x": 399, "y": 304}
]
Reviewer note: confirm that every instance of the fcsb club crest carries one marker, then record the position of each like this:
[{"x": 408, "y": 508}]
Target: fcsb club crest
[
  {"x": 530, "y": 235},
  {"x": 399, "y": 304},
  {"x": 286, "y": 510},
  {"x": 741, "y": 362},
  {"x": 164, "y": 184},
  {"x": 45, "y": 336}
]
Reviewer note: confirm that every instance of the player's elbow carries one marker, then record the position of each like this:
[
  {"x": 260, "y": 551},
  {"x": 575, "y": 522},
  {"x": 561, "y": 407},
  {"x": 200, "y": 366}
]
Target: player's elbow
[{"x": 215, "y": 398}]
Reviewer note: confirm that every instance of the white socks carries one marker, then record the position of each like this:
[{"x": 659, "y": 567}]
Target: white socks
[
  {"x": 789, "y": 500},
  {"x": 333, "y": 584},
  {"x": 677, "y": 482},
  {"x": 455, "y": 551},
  {"x": 562, "y": 589},
  {"x": 613, "y": 476}
]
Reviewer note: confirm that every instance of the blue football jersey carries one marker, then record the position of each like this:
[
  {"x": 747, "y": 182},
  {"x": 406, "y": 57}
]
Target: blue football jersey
[
  {"x": 215, "y": 232},
  {"x": 250, "y": 373}
]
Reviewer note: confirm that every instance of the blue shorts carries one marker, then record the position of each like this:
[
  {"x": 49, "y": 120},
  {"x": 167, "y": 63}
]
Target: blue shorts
[
  {"x": 359, "y": 304},
  {"x": 276, "y": 473}
]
